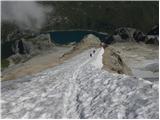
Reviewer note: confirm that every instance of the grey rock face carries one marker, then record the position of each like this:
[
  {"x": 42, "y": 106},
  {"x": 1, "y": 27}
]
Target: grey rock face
[
  {"x": 29, "y": 46},
  {"x": 22, "y": 47},
  {"x": 25, "y": 49},
  {"x": 77, "y": 89},
  {"x": 124, "y": 34}
]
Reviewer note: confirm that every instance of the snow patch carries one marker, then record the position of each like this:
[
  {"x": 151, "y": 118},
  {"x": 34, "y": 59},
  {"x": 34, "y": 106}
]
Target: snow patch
[
  {"x": 97, "y": 59},
  {"x": 77, "y": 89}
]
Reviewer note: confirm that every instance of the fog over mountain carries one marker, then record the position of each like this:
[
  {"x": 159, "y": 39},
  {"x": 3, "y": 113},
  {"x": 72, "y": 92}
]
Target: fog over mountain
[{"x": 27, "y": 15}]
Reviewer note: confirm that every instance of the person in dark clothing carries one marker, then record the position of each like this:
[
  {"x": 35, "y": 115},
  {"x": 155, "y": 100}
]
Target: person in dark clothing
[
  {"x": 90, "y": 55},
  {"x": 94, "y": 51}
]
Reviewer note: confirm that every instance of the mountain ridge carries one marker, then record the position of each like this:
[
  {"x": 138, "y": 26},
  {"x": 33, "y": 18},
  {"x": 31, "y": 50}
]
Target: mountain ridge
[{"x": 87, "y": 92}]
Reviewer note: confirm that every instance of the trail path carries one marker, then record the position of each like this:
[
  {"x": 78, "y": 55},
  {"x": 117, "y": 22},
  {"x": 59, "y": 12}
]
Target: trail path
[{"x": 79, "y": 89}]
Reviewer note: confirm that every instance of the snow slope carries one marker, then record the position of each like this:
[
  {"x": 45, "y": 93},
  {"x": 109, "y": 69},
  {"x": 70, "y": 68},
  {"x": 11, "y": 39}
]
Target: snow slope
[{"x": 79, "y": 89}]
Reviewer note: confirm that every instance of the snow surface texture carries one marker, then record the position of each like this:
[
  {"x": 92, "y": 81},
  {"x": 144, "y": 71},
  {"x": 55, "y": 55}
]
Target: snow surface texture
[{"x": 79, "y": 89}]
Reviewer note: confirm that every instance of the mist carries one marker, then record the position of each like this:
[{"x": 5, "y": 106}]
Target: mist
[{"x": 28, "y": 15}]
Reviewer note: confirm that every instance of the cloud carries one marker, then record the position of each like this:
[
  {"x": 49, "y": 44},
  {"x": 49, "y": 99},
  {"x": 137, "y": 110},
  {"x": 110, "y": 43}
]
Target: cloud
[{"x": 26, "y": 14}]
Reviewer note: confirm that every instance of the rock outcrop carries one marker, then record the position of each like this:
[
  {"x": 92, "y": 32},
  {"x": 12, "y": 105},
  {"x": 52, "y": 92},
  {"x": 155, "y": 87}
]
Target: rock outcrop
[
  {"x": 113, "y": 62},
  {"x": 130, "y": 34},
  {"x": 24, "y": 49},
  {"x": 139, "y": 36},
  {"x": 41, "y": 42},
  {"x": 89, "y": 41},
  {"x": 123, "y": 34}
]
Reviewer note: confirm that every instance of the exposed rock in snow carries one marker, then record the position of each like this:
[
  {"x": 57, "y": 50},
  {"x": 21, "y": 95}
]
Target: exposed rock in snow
[
  {"x": 141, "y": 58},
  {"x": 89, "y": 41},
  {"x": 79, "y": 89},
  {"x": 113, "y": 61}
]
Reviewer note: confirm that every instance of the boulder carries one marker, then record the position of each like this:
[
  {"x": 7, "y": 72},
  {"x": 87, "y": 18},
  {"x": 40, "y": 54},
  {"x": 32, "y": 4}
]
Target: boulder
[
  {"x": 128, "y": 34},
  {"x": 139, "y": 36},
  {"x": 108, "y": 40},
  {"x": 124, "y": 34}
]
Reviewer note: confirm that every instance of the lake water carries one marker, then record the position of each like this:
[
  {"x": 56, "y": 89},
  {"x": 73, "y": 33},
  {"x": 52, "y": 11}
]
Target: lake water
[
  {"x": 65, "y": 37},
  {"x": 6, "y": 49}
]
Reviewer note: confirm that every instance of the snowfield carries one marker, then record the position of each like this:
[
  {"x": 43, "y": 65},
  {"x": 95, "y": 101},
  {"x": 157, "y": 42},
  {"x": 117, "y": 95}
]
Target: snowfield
[{"x": 79, "y": 88}]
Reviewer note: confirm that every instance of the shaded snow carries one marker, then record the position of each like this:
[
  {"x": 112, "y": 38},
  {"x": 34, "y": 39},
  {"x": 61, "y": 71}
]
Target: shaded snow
[{"x": 79, "y": 89}]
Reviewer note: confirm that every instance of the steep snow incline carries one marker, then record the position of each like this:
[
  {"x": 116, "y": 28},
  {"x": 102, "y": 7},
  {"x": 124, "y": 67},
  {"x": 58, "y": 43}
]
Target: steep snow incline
[{"x": 79, "y": 89}]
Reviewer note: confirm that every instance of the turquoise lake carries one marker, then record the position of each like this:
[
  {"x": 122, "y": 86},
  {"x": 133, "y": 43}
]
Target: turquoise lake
[{"x": 65, "y": 37}]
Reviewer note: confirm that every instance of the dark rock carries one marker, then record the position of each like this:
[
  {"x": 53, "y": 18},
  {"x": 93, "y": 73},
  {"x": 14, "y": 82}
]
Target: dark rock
[
  {"x": 139, "y": 36},
  {"x": 108, "y": 40},
  {"x": 22, "y": 47},
  {"x": 131, "y": 34},
  {"x": 123, "y": 34}
]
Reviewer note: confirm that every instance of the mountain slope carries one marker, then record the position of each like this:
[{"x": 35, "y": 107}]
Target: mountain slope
[{"x": 79, "y": 89}]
